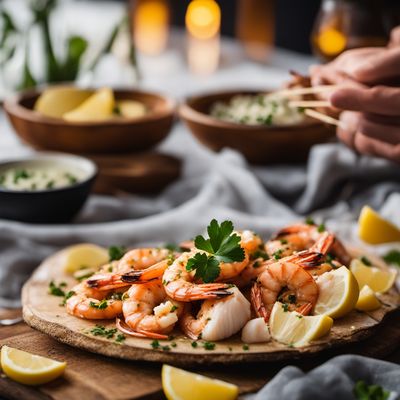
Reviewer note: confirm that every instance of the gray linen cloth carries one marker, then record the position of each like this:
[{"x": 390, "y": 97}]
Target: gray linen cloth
[
  {"x": 332, "y": 186},
  {"x": 332, "y": 381}
]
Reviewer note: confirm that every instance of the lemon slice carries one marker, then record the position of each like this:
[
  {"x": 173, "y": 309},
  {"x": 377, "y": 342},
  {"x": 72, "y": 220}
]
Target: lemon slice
[
  {"x": 84, "y": 256},
  {"x": 367, "y": 300},
  {"x": 28, "y": 368},
  {"x": 292, "y": 328},
  {"x": 379, "y": 280},
  {"x": 373, "y": 229},
  {"x": 56, "y": 101},
  {"x": 338, "y": 293},
  {"x": 131, "y": 108},
  {"x": 99, "y": 106},
  {"x": 179, "y": 384}
]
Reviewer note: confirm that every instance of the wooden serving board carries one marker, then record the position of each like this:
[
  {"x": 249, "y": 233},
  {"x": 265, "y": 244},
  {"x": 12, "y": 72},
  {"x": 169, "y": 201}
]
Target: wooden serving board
[{"x": 43, "y": 312}]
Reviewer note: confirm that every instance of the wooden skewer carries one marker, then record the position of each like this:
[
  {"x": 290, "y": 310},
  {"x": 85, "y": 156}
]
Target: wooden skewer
[
  {"x": 321, "y": 117},
  {"x": 306, "y": 90},
  {"x": 310, "y": 103}
]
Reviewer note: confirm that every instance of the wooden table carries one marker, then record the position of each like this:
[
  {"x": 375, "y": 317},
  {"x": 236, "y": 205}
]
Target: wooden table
[{"x": 91, "y": 376}]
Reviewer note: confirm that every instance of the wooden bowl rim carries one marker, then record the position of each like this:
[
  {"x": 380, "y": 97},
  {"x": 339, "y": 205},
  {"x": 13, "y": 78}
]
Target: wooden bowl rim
[
  {"x": 13, "y": 106},
  {"x": 187, "y": 112}
]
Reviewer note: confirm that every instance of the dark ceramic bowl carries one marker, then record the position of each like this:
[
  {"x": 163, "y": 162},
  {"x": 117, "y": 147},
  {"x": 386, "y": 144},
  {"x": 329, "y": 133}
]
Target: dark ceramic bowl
[
  {"x": 57, "y": 205},
  {"x": 259, "y": 144}
]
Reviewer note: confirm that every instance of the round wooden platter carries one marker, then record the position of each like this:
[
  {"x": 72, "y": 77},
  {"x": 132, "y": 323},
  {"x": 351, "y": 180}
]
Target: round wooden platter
[{"x": 43, "y": 312}]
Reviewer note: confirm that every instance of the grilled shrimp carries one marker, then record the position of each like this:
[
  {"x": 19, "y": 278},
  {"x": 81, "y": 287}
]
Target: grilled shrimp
[
  {"x": 148, "y": 312},
  {"x": 299, "y": 237},
  {"x": 216, "y": 319},
  {"x": 288, "y": 282},
  {"x": 179, "y": 285},
  {"x": 88, "y": 303}
]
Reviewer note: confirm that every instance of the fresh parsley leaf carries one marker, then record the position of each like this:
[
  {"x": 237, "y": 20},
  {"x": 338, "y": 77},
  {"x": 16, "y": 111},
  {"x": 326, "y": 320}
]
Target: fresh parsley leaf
[
  {"x": 207, "y": 267},
  {"x": 120, "y": 338},
  {"x": 393, "y": 257},
  {"x": 116, "y": 252},
  {"x": 363, "y": 391},
  {"x": 310, "y": 221},
  {"x": 222, "y": 245},
  {"x": 321, "y": 228},
  {"x": 209, "y": 345},
  {"x": 100, "y": 330}
]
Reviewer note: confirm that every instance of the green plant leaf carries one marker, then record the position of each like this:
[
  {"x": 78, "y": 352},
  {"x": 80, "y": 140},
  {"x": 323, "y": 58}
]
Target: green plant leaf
[{"x": 77, "y": 46}]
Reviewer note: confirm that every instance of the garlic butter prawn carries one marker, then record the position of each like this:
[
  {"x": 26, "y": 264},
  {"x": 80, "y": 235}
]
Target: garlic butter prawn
[
  {"x": 89, "y": 303},
  {"x": 148, "y": 312},
  {"x": 285, "y": 278}
]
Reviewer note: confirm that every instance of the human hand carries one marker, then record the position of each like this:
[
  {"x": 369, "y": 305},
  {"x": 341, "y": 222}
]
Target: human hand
[{"x": 371, "y": 122}]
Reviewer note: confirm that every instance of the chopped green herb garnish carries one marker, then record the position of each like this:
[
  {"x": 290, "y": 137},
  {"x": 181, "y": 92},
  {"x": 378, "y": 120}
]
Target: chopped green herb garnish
[
  {"x": 321, "y": 228},
  {"x": 209, "y": 345},
  {"x": 116, "y": 252},
  {"x": 285, "y": 307},
  {"x": 120, "y": 338},
  {"x": 310, "y": 221},
  {"x": 21, "y": 174},
  {"x": 260, "y": 254},
  {"x": 56, "y": 290},
  {"x": 194, "y": 344},
  {"x": 100, "y": 330},
  {"x": 393, "y": 257},
  {"x": 155, "y": 344},
  {"x": 101, "y": 305},
  {"x": 245, "y": 347},
  {"x": 165, "y": 348},
  {"x": 50, "y": 185},
  {"x": 278, "y": 254},
  {"x": 173, "y": 308},
  {"x": 284, "y": 241},
  {"x": 299, "y": 316},
  {"x": 366, "y": 261},
  {"x": 71, "y": 178},
  {"x": 222, "y": 246},
  {"x": 363, "y": 391},
  {"x": 173, "y": 344},
  {"x": 66, "y": 297}
]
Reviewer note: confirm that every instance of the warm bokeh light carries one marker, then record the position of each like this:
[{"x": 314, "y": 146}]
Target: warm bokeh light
[
  {"x": 331, "y": 42},
  {"x": 203, "y": 18},
  {"x": 203, "y": 55},
  {"x": 150, "y": 25}
]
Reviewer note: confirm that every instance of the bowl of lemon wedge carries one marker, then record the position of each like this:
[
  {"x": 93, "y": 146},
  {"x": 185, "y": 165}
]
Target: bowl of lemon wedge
[{"x": 93, "y": 121}]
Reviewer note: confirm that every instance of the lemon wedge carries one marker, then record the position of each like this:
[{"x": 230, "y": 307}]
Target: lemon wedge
[
  {"x": 179, "y": 384},
  {"x": 99, "y": 106},
  {"x": 373, "y": 229},
  {"x": 338, "y": 293},
  {"x": 131, "y": 108},
  {"x": 84, "y": 256},
  {"x": 379, "y": 280},
  {"x": 55, "y": 102},
  {"x": 367, "y": 300},
  {"x": 28, "y": 368},
  {"x": 292, "y": 328}
]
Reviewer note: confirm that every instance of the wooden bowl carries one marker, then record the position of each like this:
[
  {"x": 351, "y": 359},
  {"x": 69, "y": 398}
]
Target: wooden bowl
[
  {"x": 259, "y": 144},
  {"x": 117, "y": 135}
]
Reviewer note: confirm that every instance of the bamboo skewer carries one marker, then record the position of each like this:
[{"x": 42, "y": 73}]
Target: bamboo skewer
[
  {"x": 306, "y": 90},
  {"x": 322, "y": 117},
  {"x": 310, "y": 103}
]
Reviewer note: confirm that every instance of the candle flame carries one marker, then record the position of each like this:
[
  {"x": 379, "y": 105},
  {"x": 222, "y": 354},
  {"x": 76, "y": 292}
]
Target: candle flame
[{"x": 203, "y": 18}]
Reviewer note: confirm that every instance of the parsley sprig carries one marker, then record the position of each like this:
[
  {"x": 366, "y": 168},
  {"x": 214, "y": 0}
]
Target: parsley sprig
[
  {"x": 222, "y": 246},
  {"x": 363, "y": 391}
]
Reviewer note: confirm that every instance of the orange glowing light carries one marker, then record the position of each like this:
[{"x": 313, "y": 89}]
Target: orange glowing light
[
  {"x": 151, "y": 20},
  {"x": 203, "y": 18}
]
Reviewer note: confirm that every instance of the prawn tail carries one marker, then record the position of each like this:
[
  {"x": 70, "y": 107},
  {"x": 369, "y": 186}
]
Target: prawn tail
[
  {"x": 305, "y": 309},
  {"x": 324, "y": 243},
  {"x": 123, "y": 327},
  {"x": 257, "y": 302},
  {"x": 105, "y": 282},
  {"x": 308, "y": 259}
]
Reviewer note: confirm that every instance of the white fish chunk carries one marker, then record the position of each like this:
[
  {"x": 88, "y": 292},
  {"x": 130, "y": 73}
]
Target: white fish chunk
[{"x": 256, "y": 331}]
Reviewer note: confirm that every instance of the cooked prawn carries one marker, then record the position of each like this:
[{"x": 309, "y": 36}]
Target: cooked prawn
[
  {"x": 148, "y": 312},
  {"x": 179, "y": 285},
  {"x": 85, "y": 303},
  {"x": 302, "y": 290}
]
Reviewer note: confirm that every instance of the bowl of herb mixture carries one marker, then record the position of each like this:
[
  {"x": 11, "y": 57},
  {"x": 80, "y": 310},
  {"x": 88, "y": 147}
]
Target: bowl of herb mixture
[
  {"x": 259, "y": 124},
  {"x": 45, "y": 187}
]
